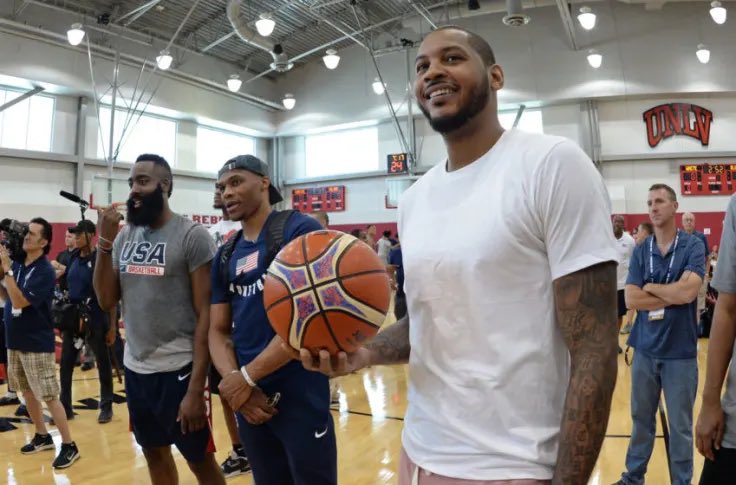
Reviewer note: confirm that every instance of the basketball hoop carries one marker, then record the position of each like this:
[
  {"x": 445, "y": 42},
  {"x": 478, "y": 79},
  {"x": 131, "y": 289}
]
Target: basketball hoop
[{"x": 395, "y": 186}]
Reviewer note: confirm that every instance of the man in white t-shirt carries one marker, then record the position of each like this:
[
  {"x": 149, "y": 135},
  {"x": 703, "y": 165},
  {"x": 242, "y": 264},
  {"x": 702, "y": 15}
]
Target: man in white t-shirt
[
  {"x": 383, "y": 246},
  {"x": 225, "y": 228},
  {"x": 511, "y": 330},
  {"x": 625, "y": 246}
]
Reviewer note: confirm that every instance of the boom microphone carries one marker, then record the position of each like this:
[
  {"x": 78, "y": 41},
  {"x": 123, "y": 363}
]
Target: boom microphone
[{"x": 74, "y": 198}]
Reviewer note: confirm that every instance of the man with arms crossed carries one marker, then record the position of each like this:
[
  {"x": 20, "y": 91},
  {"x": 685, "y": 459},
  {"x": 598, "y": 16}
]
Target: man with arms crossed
[
  {"x": 716, "y": 428},
  {"x": 510, "y": 336},
  {"x": 159, "y": 267},
  {"x": 664, "y": 277}
]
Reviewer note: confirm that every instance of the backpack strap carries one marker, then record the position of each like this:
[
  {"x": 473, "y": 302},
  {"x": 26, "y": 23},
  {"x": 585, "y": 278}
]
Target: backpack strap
[
  {"x": 225, "y": 254},
  {"x": 275, "y": 234}
]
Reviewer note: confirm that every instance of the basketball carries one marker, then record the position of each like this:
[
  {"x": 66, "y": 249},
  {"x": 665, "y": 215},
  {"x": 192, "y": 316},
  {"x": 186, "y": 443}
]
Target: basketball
[{"x": 326, "y": 290}]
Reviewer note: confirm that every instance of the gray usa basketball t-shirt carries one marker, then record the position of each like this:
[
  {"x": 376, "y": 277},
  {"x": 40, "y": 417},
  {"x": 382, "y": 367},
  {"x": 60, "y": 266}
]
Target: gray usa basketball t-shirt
[
  {"x": 724, "y": 280},
  {"x": 154, "y": 268}
]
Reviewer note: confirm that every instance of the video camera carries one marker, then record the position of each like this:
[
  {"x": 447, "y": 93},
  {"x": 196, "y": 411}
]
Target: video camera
[{"x": 14, "y": 232}]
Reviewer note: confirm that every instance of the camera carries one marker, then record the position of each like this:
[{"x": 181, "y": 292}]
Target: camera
[{"x": 14, "y": 232}]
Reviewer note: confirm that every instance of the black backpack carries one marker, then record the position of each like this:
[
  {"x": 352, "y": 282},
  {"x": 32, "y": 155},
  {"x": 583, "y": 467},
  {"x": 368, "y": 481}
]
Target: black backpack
[{"x": 274, "y": 242}]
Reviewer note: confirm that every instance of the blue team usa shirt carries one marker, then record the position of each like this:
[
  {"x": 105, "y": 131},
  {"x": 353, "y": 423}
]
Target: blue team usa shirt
[
  {"x": 251, "y": 331},
  {"x": 675, "y": 336},
  {"x": 31, "y": 329}
]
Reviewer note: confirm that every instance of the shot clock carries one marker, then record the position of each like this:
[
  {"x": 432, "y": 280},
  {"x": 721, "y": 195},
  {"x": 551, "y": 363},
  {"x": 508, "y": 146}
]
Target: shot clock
[{"x": 397, "y": 164}]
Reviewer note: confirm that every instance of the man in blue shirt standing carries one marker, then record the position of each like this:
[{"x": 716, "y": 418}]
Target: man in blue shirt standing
[
  {"x": 30, "y": 339},
  {"x": 664, "y": 278},
  {"x": 295, "y": 443}
]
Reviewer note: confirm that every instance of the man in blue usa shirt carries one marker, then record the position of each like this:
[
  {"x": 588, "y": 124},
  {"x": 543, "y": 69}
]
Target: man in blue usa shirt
[{"x": 295, "y": 441}]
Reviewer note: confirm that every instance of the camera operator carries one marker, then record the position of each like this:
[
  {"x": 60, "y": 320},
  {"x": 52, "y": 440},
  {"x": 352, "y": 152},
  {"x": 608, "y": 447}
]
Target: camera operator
[
  {"x": 30, "y": 339},
  {"x": 97, "y": 330}
]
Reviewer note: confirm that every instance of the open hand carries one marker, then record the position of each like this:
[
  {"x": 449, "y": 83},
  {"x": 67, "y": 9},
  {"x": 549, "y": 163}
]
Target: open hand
[
  {"x": 332, "y": 366},
  {"x": 709, "y": 429}
]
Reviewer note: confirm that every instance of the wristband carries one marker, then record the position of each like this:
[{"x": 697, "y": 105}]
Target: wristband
[
  {"x": 250, "y": 381},
  {"x": 102, "y": 239},
  {"x": 104, "y": 250}
]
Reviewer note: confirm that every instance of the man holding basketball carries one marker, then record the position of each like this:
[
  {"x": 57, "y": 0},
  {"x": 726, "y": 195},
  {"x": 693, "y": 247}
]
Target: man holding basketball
[
  {"x": 294, "y": 444},
  {"x": 512, "y": 345}
]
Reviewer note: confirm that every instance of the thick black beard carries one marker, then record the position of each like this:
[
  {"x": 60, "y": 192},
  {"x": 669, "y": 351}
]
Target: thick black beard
[
  {"x": 152, "y": 206},
  {"x": 448, "y": 124}
]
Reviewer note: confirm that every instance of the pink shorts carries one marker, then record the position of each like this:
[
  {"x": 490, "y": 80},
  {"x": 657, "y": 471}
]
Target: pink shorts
[{"x": 411, "y": 474}]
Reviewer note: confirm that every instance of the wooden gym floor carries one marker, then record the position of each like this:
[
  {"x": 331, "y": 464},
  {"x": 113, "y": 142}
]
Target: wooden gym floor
[{"x": 368, "y": 423}]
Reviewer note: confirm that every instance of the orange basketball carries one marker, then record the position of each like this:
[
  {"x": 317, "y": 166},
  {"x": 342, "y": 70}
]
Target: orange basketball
[{"x": 326, "y": 290}]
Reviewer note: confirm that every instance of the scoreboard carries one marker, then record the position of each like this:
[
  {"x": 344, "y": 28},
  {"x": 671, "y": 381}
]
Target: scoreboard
[
  {"x": 706, "y": 179},
  {"x": 326, "y": 199}
]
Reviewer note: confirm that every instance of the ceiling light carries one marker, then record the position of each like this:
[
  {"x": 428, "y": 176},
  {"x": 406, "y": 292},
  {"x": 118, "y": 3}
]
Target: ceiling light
[
  {"x": 265, "y": 25},
  {"x": 289, "y": 101},
  {"x": 164, "y": 59},
  {"x": 378, "y": 86},
  {"x": 75, "y": 34},
  {"x": 594, "y": 59},
  {"x": 586, "y": 17},
  {"x": 234, "y": 83},
  {"x": 718, "y": 12},
  {"x": 331, "y": 59},
  {"x": 703, "y": 53}
]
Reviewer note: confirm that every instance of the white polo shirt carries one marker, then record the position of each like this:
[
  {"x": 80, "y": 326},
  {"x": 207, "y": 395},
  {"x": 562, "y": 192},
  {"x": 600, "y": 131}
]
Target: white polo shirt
[
  {"x": 482, "y": 246},
  {"x": 625, "y": 247}
]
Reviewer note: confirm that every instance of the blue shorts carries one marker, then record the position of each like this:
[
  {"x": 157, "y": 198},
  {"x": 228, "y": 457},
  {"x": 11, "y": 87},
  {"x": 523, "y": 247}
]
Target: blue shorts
[
  {"x": 153, "y": 405},
  {"x": 297, "y": 446}
]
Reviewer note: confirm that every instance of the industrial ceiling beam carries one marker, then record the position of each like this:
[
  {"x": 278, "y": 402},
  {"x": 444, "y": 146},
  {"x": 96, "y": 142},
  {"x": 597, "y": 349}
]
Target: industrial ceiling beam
[
  {"x": 138, "y": 12},
  {"x": 567, "y": 23},
  {"x": 20, "y": 98}
]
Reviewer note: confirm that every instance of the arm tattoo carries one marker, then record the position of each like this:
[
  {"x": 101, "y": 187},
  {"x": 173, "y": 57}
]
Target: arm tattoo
[
  {"x": 391, "y": 346},
  {"x": 585, "y": 304}
]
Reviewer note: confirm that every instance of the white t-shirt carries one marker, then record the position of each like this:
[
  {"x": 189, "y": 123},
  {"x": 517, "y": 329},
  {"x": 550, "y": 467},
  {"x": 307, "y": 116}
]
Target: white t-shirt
[
  {"x": 224, "y": 230},
  {"x": 488, "y": 366},
  {"x": 625, "y": 246},
  {"x": 384, "y": 247}
]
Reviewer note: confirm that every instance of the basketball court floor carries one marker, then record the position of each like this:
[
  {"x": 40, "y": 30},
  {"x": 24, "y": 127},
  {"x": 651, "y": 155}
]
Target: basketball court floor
[{"x": 368, "y": 423}]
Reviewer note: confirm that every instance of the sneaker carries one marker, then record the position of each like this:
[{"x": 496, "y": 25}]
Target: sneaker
[
  {"x": 9, "y": 400},
  {"x": 235, "y": 465},
  {"x": 626, "y": 330},
  {"x": 87, "y": 366},
  {"x": 105, "y": 416},
  {"x": 38, "y": 443},
  {"x": 22, "y": 411},
  {"x": 69, "y": 454}
]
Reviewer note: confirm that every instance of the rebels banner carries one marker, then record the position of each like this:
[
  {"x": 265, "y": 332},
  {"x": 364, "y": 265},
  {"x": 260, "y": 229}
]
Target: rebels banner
[{"x": 682, "y": 119}]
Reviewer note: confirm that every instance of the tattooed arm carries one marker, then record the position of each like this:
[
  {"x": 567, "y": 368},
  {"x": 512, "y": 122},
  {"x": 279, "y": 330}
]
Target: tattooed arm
[
  {"x": 585, "y": 304},
  {"x": 390, "y": 346}
]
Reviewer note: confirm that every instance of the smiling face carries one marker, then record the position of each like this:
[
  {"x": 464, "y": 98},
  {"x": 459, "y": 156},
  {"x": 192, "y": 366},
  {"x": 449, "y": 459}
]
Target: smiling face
[
  {"x": 243, "y": 193},
  {"x": 453, "y": 82}
]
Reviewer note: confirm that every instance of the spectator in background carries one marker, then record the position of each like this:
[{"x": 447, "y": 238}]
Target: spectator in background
[
  {"x": 688, "y": 225},
  {"x": 64, "y": 258},
  {"x": 625, "y": 247},
  {"x": 225, "y": 228},
  {"x": 322, "y": 218},
  {"x": 643, "y": 231},
  {"x": 384, "y": 246},
  {"x": 396, "y": 271},
  {"x": 716, "y": 427},
  {"x": 665, "y": 274},
  {"x": 369, "y": 235}
]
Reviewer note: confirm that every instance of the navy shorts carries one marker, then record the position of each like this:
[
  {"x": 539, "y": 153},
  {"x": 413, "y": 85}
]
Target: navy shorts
[
  {"x": 153, "y": 405},
  {"x": 297, "y": 446},
  {"x": 621, "y": 303}
]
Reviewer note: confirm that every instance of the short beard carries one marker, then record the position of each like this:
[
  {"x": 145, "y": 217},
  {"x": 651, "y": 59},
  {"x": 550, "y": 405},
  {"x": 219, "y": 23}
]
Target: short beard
[
  {"x": 448, "y": 124},
  {"x": 152, "y": 206}
]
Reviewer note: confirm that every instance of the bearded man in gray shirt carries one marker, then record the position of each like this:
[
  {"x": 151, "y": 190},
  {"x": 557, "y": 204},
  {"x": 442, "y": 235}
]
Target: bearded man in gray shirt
[{"x": 159, "y": 266}]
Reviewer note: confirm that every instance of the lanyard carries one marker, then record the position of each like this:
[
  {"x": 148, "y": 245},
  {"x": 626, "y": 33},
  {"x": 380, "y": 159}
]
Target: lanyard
[{"x": 672, "y": 260}]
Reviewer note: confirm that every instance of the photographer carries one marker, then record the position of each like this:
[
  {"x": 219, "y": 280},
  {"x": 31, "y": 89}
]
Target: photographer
[
  {"x": 96, "y": 328},
  {"x": 30, "y": 338}
]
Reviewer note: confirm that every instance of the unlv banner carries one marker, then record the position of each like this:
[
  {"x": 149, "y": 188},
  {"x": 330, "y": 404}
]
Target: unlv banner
[{"x": 681, "y": 119}]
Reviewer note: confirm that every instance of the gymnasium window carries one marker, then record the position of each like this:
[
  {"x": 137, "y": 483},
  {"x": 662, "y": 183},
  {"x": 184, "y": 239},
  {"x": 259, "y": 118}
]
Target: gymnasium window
[
  {"x": 531, "y": 120},
  {"x": 144, "y": 134},
  {"x": 27, "y": 125},
  {"x": 342, "y": 152},
  {"x": 215, "y": 147}
]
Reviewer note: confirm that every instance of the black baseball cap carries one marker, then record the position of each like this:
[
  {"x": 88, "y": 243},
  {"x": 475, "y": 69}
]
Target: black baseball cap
[
  {"x": 84, "y": 226},
  {"x": 255, "y": 165}
]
